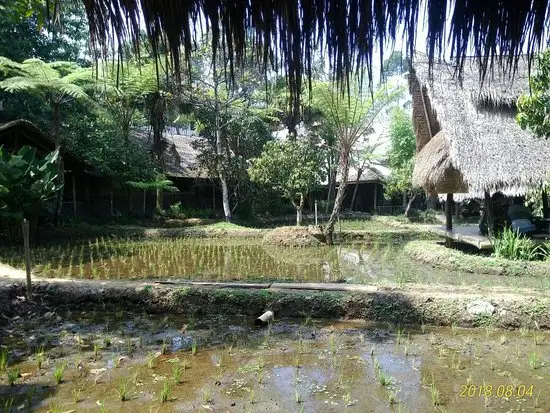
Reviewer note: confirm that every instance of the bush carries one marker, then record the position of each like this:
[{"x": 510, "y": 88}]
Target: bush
[
  {"x": 512, "y": 245},
  {"x": 425, "y": 217}
]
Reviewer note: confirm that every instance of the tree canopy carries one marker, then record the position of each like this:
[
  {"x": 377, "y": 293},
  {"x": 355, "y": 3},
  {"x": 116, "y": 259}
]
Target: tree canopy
[
  {"x": 534, "y": 107},
  {"x": 290, "y": 167}
]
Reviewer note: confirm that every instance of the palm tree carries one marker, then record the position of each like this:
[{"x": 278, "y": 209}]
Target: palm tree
[{"x": 349, "y": 116}]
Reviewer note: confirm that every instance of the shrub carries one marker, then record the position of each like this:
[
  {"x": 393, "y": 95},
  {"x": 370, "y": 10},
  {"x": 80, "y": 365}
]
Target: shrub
[{"x": 512, "y": 245}]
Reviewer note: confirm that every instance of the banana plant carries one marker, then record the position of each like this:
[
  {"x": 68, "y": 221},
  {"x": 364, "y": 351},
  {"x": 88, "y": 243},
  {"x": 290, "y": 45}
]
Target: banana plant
[{"x": 27, "y": 182}]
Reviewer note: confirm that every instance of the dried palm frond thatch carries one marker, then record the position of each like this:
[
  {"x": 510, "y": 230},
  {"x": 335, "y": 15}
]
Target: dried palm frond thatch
[
  {"x": 289, "y": 32},
  {"x": 481, "y": 147}
]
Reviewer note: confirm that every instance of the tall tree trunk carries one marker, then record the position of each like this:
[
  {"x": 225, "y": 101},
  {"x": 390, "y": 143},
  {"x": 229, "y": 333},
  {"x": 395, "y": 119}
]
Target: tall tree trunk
[
  {"x": 409, "y": 204},
  {"x": 159, "y": 200},
  {"x": 299, "y": 211},
  {"x": 56, "y": 116},
  {"x": 352, "y": 203},
  {"x": 331, "y": 182},
  {"x": 219, "y": 150},
  {"x": 344, "y": 170}
]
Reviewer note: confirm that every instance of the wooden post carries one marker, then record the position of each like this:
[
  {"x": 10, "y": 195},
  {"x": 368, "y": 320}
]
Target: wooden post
[
  {"x": 488, "y": 212},
  {"x": 74, "y": 195},
  {"x": 111, "y": 203},
  {"x": 144, "y": 200},
  {"x": 545, "y": 209},
  {"x": 316, "y": 213},
  {"x": 27, "y": 256},
  {"x": 375, "y": 197},
  {"x": 449, "y": 212}
]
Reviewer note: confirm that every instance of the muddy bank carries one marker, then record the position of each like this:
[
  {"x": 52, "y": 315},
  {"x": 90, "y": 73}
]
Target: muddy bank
[
  {"x": 504, "y": 309},
  {"x": 437, "y": 255}
]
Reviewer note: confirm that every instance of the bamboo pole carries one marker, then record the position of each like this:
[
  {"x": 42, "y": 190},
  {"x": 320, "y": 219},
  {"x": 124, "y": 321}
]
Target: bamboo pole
[{"x": 27, "y": 256}]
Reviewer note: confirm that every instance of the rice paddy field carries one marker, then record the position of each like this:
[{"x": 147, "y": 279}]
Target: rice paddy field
[
  {"x": 377, "y": 263},
  {"x": 128, "y": 362}
]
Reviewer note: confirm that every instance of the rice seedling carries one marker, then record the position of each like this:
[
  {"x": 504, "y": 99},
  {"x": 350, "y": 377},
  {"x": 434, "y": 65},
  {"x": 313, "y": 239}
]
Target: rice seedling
[
  {"x": 251, "y": 396},
  {"x": 123, "y": 391},
  {"x": 13, "y": 375},
  {"x": 3, "y": 358},
  {"x": 399, "y": 335},
  {"x": 503, "y": 340},
  {"x": 435, "y": 395},
  {"x": 423, "y": 328},
  {"x": 534, "y": 361},
  {"x": 384, "y": 379},
  {"x": 298, "y": 396},
  {"x": 454, "y": 328},
  {"x": 538, "y": 339},
  {"x": 348, "y": 401},
  {"x": 151, "y": 360},
  {"x": 433, "y": 339},
  {"x": 333, "y": 345},
  {"x": 261, "y": 362},
  {"x": 456, "y": 362},
  {"x": 536, "y": 400},
  {"x": 77, "y": 394},
  {"x": 8, "y": 405},
  {"x": 207, "y": 396},
  {"x": 489, "y": 330},
  {"x": 55, "y": 407},
  {"x": 392, "y": 398},
  {"x": 177, "y": 372},
  {"x": 194, "y": 347},
  {"x": 59, "y": 371},
  {"x": 97, "y": 351},
  {"x": 164, "y": 347},
  {"x": 260, "y": 376},
  {"x": 29, "y": 395},
  {"x": 517, "y": 352},
  {"x": 164, "y": 395}
]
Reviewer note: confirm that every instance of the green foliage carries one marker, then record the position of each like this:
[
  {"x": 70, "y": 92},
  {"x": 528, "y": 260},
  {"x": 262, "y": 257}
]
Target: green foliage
[
  {"x": 24, "y": 34},
  {"x": 512, "y": 245},
  {"x": 401, "y": 154},
  {"x": 290, "y": 167},
  {"x": 26, "y": 182},
  {"x": 56, "y": 80},
  {"x": 396, "y": 64},
  {"x": 159, "y": 183},
  {"x": 534, "y": 107}
]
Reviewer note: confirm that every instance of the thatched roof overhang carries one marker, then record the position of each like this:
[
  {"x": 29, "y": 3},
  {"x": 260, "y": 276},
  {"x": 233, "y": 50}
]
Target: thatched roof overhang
[
  {"x": 288, "y": 33},
  {"x": 481, "y": 139},
  {"x": 434, "y": 170}
]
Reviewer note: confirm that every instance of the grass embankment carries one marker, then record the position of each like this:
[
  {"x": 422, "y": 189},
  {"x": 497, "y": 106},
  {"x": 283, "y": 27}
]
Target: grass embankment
[
  {"x": 385, "y": 305},
  {"x": 436, "y": 254}
]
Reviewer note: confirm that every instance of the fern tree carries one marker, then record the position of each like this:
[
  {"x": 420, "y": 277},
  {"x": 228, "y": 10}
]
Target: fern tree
[
  {"x": 123, "y": 90},
  {"x": 55, "y": 83}
]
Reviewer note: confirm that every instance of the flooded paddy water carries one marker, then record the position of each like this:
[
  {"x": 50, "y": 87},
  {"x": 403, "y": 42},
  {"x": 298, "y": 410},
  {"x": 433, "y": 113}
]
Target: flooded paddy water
[
  {"x": 98, "y": 361},
  {"x": 378, "y": 263},
  {"x": 127, "y": 362}
]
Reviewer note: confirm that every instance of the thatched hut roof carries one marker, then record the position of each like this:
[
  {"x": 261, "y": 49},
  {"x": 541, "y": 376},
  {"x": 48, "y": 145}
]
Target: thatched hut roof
[
  {"x": 288, "y": 33},
  {"x": 481, "y": 147},
  {"x": 180, "y": 155}
]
